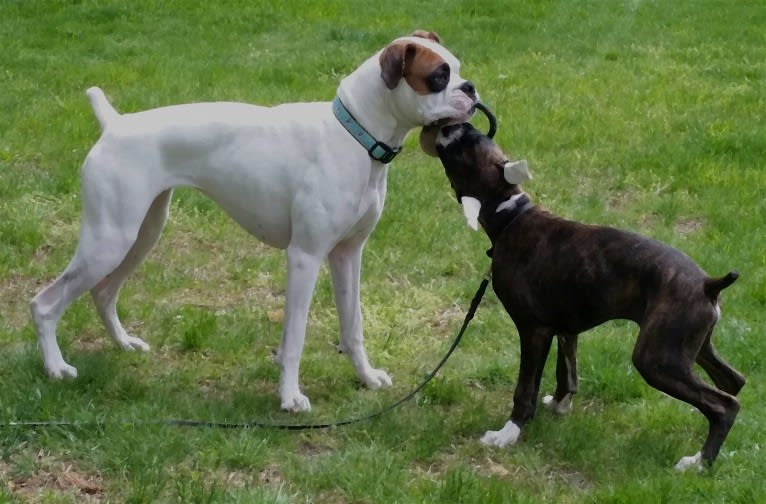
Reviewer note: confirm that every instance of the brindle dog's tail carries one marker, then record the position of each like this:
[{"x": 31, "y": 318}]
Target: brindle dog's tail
[{"x": 715, "y": 285}]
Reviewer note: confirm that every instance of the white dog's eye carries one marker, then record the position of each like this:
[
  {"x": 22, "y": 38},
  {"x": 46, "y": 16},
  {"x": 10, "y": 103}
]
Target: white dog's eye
[{"x": 438, "y": 80}]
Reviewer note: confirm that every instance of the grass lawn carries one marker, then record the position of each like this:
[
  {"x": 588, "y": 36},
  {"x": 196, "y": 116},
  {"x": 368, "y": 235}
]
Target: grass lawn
[{"x": 640, "y": 114}]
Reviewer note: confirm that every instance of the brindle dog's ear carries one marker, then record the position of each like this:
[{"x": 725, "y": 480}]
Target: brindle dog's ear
[
  {"x": 471, "y": 209},
  {"x": 428, "y": 140},
  {"x": 427, "y": 35},
  {"x": 392, "y": 61},
  {"x": 516, "y": 172}
]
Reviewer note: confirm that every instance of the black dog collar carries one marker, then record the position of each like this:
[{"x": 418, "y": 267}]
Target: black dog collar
[
  {"x": 499, "y": 221},
  {"x": 522, "y": 204}
]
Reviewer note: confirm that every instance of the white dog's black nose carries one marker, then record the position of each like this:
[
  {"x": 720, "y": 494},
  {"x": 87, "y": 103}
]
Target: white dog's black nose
[{"x": 469, "y": 89}]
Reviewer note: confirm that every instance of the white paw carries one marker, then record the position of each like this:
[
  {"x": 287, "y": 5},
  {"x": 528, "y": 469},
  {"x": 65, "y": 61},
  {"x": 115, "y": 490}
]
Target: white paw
[
  {"x": 376, "y": 378},
  {"x": 508, "y": 435},
  {"x": 61, "y": 370},
  {"x": 692, "y": 462},
  {"x": 295, "y": 402},
  {"x": 132, "y": 343},
  {"x": 561, "y": 407}
]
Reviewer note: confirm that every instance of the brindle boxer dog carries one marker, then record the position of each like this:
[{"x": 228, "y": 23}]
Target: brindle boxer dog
[{"x": 558, "y": 278}]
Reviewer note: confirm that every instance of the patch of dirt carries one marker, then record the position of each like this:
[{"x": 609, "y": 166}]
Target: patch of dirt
[
  {"x": 488, "y": 466},
  {"x": 53, "y": 477},
  {"x": 570, "y": 478},
  {"x": 685, "y": 227},
  {"x": 647, "y": 223},
  {"x": 271, "y": 476},
  {"x": 15, "y": 295},
  {"x": 447, "y": 317},
  {"x": 619, "y": 200},
  {"x": 313, "y": 448},
  {"x": 332, "y": 497},
  {"x": 435, "y": 469}
]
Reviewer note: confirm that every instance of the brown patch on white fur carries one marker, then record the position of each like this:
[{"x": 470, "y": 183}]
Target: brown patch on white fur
[
  {"x": 412, "y": 61},
  {"x": 427, "y": 35}
]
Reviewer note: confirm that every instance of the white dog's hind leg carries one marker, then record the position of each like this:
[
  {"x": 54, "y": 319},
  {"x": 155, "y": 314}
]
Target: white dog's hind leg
[
  {"x": 106, "y": 292},
  {"x": 110, "y": 224},
  {"x": 302, "y": 272},
  {"x": 47, "y": 307},
  {"x": 345, "y": 268},
  {"x": 88, "y": 266}
]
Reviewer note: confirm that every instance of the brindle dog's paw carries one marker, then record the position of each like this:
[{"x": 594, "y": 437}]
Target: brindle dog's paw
[{"x": 508, "y": 435}]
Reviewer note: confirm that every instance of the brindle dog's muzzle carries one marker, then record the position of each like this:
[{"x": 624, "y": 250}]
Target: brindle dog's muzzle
[{"x": 428, "y": 133}]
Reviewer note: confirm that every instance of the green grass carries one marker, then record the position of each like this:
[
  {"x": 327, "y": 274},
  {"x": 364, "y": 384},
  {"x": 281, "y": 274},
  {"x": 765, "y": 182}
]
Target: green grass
[{"x": 645, "y": 115}]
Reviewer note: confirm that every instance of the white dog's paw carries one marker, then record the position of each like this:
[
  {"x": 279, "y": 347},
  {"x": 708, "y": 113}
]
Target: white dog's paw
[
  {"x": 295, "y": 402},
  {"x": 692, "y": 462},
  {"x": 132, "y": 343},
  {"x": 376, "y": 378},
  {"x": 508, "y": 435},
  {"x": 561, "y": 407},
  {"x": 60, "y": 370}
]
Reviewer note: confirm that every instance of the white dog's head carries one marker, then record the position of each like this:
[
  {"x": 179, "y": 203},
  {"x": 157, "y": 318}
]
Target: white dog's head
[{"x": 424, "y": 80}]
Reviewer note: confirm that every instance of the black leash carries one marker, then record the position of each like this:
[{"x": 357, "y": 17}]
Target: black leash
[{"x": 264, "y": 425}]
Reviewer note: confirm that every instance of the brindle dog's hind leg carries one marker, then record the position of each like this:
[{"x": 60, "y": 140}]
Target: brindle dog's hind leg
[{"x": 566, "y": 375}]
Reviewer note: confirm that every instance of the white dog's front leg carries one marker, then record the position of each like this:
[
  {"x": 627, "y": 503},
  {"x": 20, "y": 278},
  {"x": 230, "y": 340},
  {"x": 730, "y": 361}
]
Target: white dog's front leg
[
  {"x": 302, "y": 271},
  {"x": 508, "y": 435},
  {"x": 345, "y": 268}
]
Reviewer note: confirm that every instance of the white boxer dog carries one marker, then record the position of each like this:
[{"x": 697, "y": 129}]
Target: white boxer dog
[{"x": 306, "y": 177}]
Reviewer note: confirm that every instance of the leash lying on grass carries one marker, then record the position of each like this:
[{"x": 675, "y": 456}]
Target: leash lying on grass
[{"x": 264, "y": 425}]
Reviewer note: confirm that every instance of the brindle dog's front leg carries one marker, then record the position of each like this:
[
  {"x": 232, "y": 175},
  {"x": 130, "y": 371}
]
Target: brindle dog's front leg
[{"x": 535, "y": 345}]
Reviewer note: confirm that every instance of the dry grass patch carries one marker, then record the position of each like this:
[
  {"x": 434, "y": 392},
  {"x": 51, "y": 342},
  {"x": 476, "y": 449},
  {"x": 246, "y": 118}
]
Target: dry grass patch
[
  {"x": 18, "y": 289},
  {"x": 688, "y": 226},
  {"x": 52, "y": 477}
]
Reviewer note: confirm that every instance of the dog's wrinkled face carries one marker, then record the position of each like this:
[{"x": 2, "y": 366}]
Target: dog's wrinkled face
[
  {"x": 473, "y": 162},
  {"x": 424, "y": 79},
  {"x": 477, "y": 169}
]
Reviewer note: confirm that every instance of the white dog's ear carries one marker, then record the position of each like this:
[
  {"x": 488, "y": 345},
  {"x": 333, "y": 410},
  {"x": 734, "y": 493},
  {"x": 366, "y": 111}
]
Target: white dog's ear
[
  {"x": 516, "y": 172},
  {"x": 471, "y": 208},
  {"x": 393, "y": 60}
]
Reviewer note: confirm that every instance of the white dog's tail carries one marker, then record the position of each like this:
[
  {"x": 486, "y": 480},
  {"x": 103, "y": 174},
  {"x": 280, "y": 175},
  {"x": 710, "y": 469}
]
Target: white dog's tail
[{"x": 103, "y": 110}]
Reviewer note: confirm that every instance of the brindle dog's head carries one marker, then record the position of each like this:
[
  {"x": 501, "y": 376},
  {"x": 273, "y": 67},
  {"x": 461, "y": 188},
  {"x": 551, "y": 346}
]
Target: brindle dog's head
[{"x": 478, "y": 170}]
